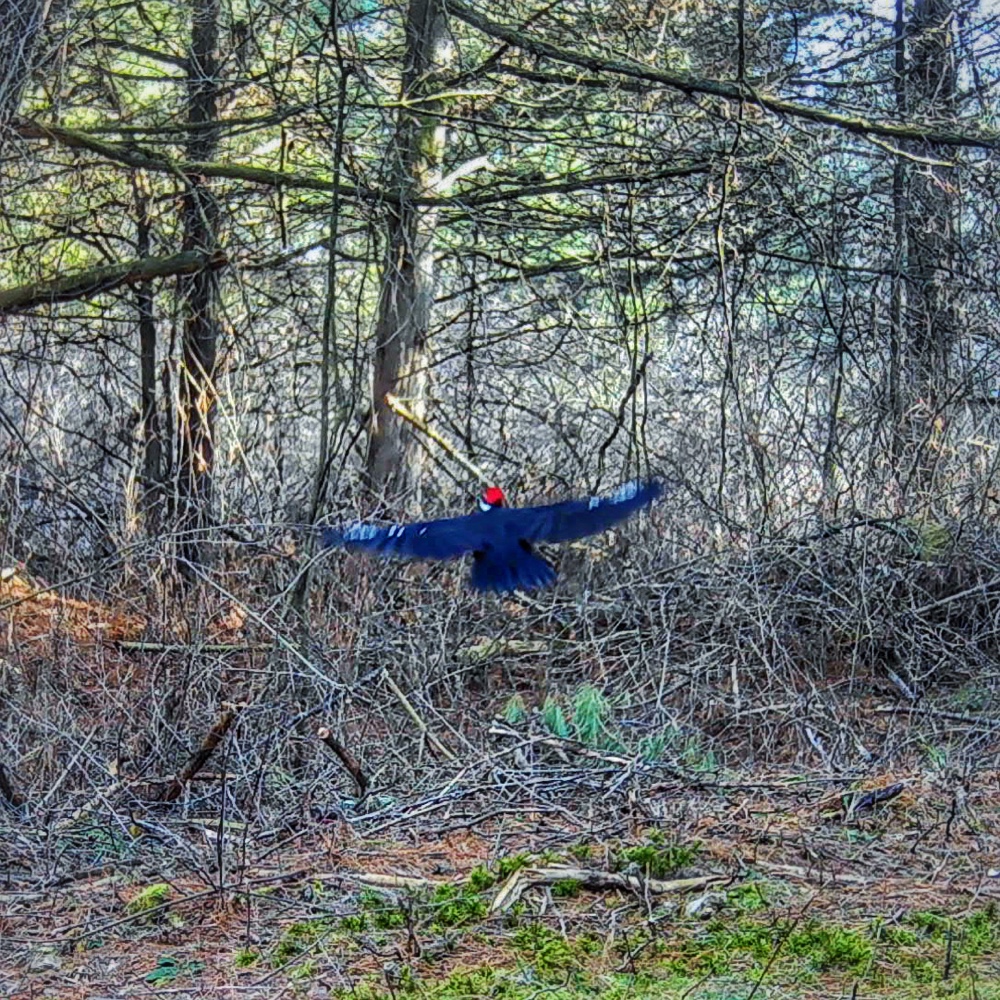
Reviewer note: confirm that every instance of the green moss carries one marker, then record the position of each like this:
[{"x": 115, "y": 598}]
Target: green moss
[
  {"x": 300, "y": 938},
  {"x": 464, "y": 984},
  {"x": 245, "y": 958},
  {"x": 481, "y": 878},
  {"x": 149, "y": 898},
  {"x": 933, "y": 924},
  {"x": 892, "y": 935},
  {"x": 756, "y": 940},
  {"x": 658, "y": 858},
  {"x": 507, "y": 866},
  {"x": 979, "y": 931},
  {"x": 718, "y": 959},
  {"x": 454, "y": 906},
  {"x": 749, "y": 897},
  {"x": 921, "y": 969},
  {"x": 551, "y": 954},
  {"x": 304, "y": 970},
  {"x": 830, "y": 948},
  {"x": 567, "y": 888},
  {"x": 375, "y": 912}
]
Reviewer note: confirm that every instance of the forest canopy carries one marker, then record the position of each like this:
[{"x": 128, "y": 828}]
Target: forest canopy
[{"x": 752, "y": 248}]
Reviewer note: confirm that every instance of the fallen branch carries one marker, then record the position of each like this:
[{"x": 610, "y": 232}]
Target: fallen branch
[
  {"x": 99, "y": 798},
  {"x": 346, "y": 758},
  {"x": 817, "y": 875},
  {"x": 561, "y": 743},
  {"x": 181, "y": 647},
  {"x": 525, "y": 878},
  {"x": 418, "y": 722},
  {"x": 490, "y": 648},
  {"x": 870, "y": 799},
  {"x": 200, "y": 757},
  {"x": 380, "y": 881},
  {"x": 931, "y": 713}
]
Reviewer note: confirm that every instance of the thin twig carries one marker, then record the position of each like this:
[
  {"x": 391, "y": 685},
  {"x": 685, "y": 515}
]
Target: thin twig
[{"x": 417, "y": 721}]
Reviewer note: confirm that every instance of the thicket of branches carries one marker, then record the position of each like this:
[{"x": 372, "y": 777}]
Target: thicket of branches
[{"x": 751, "y": 249}]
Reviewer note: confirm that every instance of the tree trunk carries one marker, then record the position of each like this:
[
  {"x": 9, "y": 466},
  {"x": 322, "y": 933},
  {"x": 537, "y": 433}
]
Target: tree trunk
[
  {"x": 196, "y": 446},
  {"x": 407, "y": 290},
  {"x": 152, "y": 442},
  {"x": 928, "y": 313}
]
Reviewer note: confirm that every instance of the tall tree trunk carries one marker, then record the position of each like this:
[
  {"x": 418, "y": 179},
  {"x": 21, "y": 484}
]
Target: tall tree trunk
[
  {"x": 407, "y": 290},
  {"x": 897, "y": 297},
  {"x": 196, "y": 445},
  {"x": 152, "y": 441},
  {"x": 929, "y": 315}
]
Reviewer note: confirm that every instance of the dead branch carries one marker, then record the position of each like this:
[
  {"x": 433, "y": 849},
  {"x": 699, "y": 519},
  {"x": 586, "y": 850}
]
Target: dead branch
[
  {"x": 435, "y": 743},
  {"x": 200, "y": 757},
  {"x": 346, "y": 758},
  {"x": 181, "y": 647},
  {"x": 393, "y": 881},
  {"x": 401, "y": 410},
  {"x": 93, "y": 281},
  {"x": 489, "y": 649},
  {"x": 525, "y": 878},
  {"x": 7, "y": 790}
]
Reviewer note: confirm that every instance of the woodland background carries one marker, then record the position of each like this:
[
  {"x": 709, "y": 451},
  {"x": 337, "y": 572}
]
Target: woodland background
[{"x": 250, "y": 249}]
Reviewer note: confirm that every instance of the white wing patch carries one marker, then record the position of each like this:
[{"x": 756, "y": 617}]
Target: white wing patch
[
  {"x": 624, "y": 493},
  {"x": 360, "y": 532},
  {"x": 621, "y": 495}
]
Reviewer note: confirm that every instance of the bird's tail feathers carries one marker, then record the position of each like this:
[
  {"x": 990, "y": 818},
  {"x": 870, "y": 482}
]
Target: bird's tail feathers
[{"x": 519, "y": 571}]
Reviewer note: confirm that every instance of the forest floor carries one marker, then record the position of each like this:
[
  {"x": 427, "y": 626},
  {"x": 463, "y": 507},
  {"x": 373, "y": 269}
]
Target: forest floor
[
  {"x": 777, "y": 892},
  {"x": 536, "y": 867}
]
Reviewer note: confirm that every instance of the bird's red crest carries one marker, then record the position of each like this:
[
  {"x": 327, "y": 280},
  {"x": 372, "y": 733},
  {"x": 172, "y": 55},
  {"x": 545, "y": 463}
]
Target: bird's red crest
[{"x": 494, "y": 496}]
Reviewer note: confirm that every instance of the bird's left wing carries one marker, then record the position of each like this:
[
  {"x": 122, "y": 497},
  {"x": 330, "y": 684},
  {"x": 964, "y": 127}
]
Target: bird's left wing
[
  {"x": 563, "y": 522},
  {"x": 444, "y": 539}
]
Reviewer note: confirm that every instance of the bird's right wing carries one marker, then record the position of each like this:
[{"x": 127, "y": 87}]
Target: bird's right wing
[
  {"x": 444, "y": 539},
  {"x": 563, "y": 522}
]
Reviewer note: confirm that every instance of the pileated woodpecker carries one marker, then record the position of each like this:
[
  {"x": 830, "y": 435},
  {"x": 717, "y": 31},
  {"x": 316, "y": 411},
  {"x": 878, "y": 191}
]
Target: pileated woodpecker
[{"x": 500, "y": 538}]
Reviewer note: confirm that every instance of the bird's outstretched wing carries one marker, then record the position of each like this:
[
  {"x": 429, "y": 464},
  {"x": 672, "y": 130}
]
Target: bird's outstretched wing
[
  {"x": 444, "y": 539},
  {"x": 563, "y": 522}
]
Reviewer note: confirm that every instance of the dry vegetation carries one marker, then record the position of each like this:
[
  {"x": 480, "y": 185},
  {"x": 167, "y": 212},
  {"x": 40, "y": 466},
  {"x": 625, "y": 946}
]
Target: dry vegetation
[
  {"x": 729, "y": 716},
  {"x": 270, "y": 265}
]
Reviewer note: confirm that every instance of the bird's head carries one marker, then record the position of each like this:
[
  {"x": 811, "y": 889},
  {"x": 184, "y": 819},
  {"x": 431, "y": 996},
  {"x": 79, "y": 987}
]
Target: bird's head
[{"x": 492, "y": 497}]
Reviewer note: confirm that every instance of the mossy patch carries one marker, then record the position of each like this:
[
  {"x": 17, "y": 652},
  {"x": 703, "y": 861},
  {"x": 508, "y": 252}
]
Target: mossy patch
[
  {"x": 149, "y": 898},
  {"x": 300, "y": 938},
  {"x": 657, "y": 857}
]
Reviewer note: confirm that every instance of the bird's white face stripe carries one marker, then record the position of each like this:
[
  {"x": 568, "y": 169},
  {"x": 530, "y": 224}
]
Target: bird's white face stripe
[{"x": 484, "y": 506}]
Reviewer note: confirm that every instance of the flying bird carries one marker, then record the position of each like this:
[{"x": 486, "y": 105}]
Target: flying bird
[{"x": 501, "y": 539}]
